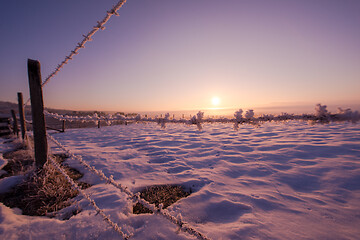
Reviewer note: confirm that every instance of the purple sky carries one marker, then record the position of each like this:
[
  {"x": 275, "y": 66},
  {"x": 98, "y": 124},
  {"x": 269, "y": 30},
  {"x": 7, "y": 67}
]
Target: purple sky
[{"x": 175, "y": 55}]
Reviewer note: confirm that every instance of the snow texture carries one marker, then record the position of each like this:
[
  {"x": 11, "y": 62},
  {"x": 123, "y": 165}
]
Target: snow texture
[{"x": 285, "y": 180}]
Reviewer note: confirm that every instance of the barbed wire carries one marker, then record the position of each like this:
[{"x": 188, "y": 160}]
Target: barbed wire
[
  {"x": 75, "y": 186},
  {"x": 86, "y": 38},
  {"x": 182, "y": 225},
  {"x": 199, "y": 119}
]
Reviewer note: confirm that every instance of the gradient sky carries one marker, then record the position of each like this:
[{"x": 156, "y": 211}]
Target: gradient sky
[{"x": 175, "y": 55}]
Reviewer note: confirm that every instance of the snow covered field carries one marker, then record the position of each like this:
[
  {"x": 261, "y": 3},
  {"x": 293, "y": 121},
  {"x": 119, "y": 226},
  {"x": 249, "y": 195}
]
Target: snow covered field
[{"x": 287, "y": 180}]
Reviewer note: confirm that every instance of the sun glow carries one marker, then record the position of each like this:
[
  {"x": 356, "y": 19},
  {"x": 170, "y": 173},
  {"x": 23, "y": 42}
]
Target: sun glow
[{"x": 215, "y": 101}]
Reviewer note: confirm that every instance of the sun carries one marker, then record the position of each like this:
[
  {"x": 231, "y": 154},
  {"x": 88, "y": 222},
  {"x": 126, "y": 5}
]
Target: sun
[{"x": 215, "y": 101}]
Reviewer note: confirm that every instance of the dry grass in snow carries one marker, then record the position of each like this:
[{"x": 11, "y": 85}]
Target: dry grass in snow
[{"x": 43, "y": 192}]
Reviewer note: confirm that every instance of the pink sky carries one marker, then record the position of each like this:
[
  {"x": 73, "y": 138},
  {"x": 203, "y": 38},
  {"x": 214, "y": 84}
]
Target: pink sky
[{"x": 178, "y": 55}]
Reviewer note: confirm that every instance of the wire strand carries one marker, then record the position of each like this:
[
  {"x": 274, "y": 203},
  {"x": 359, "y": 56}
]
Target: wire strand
[
  {"x": 75, "y": 186},
  {"x": 86, "y": 38},
  {"x": 184, "y": 226}
]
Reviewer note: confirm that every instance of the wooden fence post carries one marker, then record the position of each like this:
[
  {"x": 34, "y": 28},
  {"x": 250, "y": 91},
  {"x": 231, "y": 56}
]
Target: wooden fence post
[
  {"x": 15, "y": 123},
  {"x": 63, "y": 125},
  {"x": 99, "y": 124},
  {"x": 22, "y": 115},
  {"x": 37, "y": 111}
]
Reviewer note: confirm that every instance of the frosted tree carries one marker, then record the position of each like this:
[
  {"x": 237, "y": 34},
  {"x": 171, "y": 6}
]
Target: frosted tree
[
  {"x": 197, "y": 118},
  {"x": 348, "y": 114},
  {"x": 249, "y": 114},
  {"x": 238, "y": 115},
  {"x": 167, "y": 116},
  {"x": 321, "y": 112},
  {"x": 200, "y": 116}
]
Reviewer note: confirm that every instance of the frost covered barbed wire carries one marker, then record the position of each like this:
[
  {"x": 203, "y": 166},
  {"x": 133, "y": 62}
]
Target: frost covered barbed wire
[
  {"x": 321, "y": 115},
  {"x": 184, "y": 226},
  {"x": 92, "y": 202},
  {"x": 86, "y": 38}
]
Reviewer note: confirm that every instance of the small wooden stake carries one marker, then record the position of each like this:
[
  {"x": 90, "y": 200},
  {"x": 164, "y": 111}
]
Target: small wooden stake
[
  {"x": 22, "y": 115},
  {"x": 63, "y": 126},
  {"x": 99, "y": 124},
  {"x": 15, "y": 123},
  {"x": 37, "y": 111}
]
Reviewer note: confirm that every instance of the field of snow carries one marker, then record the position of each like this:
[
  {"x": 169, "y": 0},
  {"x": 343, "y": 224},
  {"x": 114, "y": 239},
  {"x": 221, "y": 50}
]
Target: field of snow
[{"x": 289, "y": 180}]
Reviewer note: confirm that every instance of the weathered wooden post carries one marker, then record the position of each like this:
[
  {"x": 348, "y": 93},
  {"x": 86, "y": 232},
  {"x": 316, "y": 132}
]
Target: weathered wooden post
[
  {"x": 22, "y": 115},
  {"x": 99, "y": 124},
  {"x": 37, "y": 111},
  {"x": 63, "y": 125},
  {"x": 15, "y": 123}
]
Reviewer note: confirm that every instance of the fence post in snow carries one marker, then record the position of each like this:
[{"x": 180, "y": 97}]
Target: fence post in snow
[
  {"x": 63, "y": 125},
  {"x": 37, "y": 111},
  {"x": 99, "y": 124},
  {"x": 15, "y": 123},
  {"x": 22, "y": 115}
]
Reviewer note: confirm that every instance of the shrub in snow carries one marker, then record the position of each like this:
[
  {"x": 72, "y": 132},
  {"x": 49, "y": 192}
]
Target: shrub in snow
[
  {"x": 238, "y": 115},
  {"x": 162, "y": 121},
  {"x": 348, "y": 114},
  {"x": 198, "y": 118},
  {"x": 249, "y": 114},
  {"x": 119, "y": 116},
  {"x": 285, "y": 116},
  {"x": 43, "y": 192},
  {"x": 267, "y": 117},
  {"x": 138, "y": 117},
  {"x": 320, "y": 110}
]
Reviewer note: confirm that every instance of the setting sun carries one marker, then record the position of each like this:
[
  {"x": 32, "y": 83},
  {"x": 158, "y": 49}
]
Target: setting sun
[{"x": 215, "y": 101}]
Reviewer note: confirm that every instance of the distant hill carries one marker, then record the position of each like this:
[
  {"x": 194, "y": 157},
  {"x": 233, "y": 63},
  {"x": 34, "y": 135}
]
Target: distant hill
[{"x": 5, "y": 109}]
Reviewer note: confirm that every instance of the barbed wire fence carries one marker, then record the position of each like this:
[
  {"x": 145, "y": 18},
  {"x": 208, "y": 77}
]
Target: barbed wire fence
[
  {"x": 197, "y": 119},
  {"x": 182, "y": 225},
  {"x": 76, "y": 187}
]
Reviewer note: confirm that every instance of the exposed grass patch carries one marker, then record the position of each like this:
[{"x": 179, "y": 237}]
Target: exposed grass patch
[
  {"x": 19, "y": 162},
  {"x": 44, "y": 191},
  {"x": 165, "y": 194}
]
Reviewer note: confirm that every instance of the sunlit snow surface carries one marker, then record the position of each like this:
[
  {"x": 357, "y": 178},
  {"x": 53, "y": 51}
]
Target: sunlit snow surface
[{"x": 287, "y": 180}]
